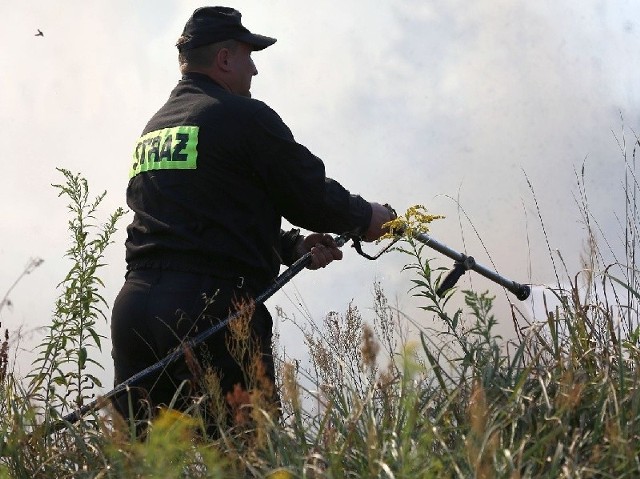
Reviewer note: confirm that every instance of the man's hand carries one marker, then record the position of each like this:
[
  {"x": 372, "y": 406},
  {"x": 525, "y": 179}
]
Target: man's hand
[
  {"x": 380, "y": 215},
  {"x": 323, "y": 249}
]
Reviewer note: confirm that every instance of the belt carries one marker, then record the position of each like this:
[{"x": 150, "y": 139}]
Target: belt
[{"x": 154, "y": 275}]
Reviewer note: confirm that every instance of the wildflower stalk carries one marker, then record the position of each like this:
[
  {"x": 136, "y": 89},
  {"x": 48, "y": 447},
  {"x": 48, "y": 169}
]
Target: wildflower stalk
[{"x": 61, "y": 369}]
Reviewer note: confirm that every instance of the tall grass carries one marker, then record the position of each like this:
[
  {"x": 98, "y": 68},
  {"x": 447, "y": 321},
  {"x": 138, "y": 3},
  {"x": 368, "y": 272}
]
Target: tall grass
[{"x": 559, "y": 400}]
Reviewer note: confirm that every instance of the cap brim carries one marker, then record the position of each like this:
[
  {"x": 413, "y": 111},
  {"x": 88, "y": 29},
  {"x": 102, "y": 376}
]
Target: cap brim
[{"x": 258, "y": 42}]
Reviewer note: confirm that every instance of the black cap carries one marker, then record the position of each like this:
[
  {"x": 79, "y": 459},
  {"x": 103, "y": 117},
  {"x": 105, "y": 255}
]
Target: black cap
[{"x": 217, "y": 24}]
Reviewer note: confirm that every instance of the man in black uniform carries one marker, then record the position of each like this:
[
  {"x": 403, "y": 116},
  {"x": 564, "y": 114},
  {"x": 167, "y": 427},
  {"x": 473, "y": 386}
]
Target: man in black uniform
[{"x": 211, "y": 178}]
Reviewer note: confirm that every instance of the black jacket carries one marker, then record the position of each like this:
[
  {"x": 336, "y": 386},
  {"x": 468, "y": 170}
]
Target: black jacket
[{"x": 211, "y": 178}]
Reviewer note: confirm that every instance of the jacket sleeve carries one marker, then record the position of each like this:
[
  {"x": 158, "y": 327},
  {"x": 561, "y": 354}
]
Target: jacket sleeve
[
  {"x": 288, "y": 242},
  {"x": 296, "y": 182}
]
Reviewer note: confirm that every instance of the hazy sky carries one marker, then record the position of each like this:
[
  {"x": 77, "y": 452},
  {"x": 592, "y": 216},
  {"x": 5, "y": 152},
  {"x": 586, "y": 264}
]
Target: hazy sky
[{"x": 406, "y": 101}]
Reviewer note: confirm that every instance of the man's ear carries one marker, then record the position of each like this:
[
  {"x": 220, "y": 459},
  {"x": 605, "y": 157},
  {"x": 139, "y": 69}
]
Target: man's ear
[{"x": 222, "y": 59}]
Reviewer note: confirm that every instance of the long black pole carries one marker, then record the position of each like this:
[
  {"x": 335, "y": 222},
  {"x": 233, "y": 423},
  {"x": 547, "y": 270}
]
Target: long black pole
[
  {"x": 521, "y": 291},
  {"x": 190, "y": 343}
]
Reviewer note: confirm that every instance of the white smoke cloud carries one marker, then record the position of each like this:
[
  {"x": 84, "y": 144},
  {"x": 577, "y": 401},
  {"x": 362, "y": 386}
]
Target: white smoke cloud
[{"x": 406, "y": 102}]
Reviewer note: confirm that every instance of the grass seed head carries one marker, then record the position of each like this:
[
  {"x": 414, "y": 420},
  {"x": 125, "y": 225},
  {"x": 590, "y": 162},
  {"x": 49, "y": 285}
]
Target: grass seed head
[{"x": 369, "y": 348}]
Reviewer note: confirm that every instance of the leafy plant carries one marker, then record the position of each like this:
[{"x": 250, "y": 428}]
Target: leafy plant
[{"x": 61, "y": 378}]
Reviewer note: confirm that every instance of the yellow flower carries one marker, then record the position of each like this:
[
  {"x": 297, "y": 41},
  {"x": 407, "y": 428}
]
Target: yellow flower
[
  {"x": 173, "y": 422},
  {"x": 416, "y": 219},
  {"x": 280, "y": 473},
  {"x": 171, "y": 417}
]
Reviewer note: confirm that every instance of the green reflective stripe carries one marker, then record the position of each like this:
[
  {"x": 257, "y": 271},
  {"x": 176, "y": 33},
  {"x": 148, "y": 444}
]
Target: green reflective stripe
[{"x": 167, "y": 149}]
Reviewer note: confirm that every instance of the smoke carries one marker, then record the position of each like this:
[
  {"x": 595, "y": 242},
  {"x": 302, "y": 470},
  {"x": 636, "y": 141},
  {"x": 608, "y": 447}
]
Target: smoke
[{"x": 482, "y": 111}]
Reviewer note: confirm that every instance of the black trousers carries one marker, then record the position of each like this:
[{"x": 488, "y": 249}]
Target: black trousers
[{"x": 152, "y": 315}]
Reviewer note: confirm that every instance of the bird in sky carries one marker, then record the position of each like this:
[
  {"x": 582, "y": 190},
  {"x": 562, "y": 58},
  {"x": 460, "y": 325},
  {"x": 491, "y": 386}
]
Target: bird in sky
[{"x": 39, "y": 34}]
